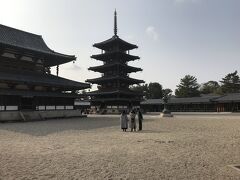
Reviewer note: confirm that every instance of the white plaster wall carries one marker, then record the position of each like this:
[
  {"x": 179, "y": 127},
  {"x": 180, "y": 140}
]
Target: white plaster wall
[
  {"x": 69, "y": 107},
  {"x": 41, "y": 108},
  {"x": 1, "y": 108},
  {"x": 25, "y": 58},
  {"x": 11, "y": 108},
  {"x": 50, "y": 107},
  {"x": 59, "y": 107},
  {"x": 9, "y": 55}
]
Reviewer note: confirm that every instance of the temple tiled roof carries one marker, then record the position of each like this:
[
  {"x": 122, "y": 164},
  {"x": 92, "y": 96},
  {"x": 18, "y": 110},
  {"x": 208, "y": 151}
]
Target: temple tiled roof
[
  {"x": 231, "y": 97},
  {"x": 105, "y": 45},
  {"x": 41, "y": 79},
  {"x": 8, "y": 92},
  {"x": 200, "y": 99},
  {"x": 32, "y": 43}
]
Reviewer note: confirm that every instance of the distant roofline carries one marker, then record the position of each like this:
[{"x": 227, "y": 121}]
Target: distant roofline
[{"x": 211, "y": 98}]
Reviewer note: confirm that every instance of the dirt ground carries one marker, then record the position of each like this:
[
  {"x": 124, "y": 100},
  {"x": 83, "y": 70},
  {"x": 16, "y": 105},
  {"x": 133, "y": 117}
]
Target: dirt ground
[{"x": 183, "y": 147}]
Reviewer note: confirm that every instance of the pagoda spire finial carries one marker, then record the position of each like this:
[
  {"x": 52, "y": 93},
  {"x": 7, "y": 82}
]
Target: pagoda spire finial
[{"x": 115, "y": 22}]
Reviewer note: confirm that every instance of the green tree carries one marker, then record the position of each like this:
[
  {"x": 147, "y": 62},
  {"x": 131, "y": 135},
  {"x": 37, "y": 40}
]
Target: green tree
[
  {"x": 210, "y": 87},
  {"x": 155, "y": 90},
  {"x": 149, "y": 91},
  {"x": 167, "y": 93},
  {"x": 141, "y": 89},
  {"x": 230, "y": 83},
  {"x": 188, "y": 87}
]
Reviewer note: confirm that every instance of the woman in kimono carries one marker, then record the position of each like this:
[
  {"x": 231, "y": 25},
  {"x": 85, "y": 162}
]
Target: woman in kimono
[{"x": 124, "y": 121}]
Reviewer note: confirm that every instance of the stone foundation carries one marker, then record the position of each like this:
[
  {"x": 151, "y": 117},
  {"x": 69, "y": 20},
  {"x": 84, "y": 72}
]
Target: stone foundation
[
  {"x": 165, "y": 115},
  {"x": 38, "y": 115}
]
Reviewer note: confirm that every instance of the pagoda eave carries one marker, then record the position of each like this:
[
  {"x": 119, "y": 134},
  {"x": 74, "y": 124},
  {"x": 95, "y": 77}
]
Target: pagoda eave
[
  {"x": 116, "y": 99},
  {"x": 103, "y": 80},
  {"x": 126, "y": 68},
  {"x": 116, "y": 92},
  {"x": 120, "y": 55},
  {"x": 115, "y": 40}
]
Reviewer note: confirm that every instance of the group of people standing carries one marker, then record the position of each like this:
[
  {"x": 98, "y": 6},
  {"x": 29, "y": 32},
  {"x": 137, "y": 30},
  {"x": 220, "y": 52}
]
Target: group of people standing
[{"x": 132, "y": 123}]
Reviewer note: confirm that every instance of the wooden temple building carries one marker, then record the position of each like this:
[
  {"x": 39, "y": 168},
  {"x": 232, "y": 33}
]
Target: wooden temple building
[
  {"x": 113, "y": 94},
  {"x": 26, "y": 83},
  {"x": 204, "y": 103}
]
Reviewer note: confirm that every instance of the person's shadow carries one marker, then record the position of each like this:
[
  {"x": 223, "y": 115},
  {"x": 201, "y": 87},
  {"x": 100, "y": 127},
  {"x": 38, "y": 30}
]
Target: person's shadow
[
  {"x": 151, "y": 131},
  {"x": 42, "y": 128}
]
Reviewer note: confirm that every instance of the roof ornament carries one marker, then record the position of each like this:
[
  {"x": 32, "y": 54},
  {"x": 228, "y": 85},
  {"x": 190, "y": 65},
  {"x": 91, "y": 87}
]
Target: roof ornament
[{"x": 115, "y": 23}]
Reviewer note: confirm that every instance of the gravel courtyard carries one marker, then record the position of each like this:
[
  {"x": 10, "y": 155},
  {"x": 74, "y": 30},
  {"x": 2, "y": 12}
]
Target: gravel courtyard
[{"x": 183, "y": 147}]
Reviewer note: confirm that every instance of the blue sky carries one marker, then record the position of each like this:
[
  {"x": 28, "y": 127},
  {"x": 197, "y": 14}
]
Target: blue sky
[{"x": 175, "y": 37}]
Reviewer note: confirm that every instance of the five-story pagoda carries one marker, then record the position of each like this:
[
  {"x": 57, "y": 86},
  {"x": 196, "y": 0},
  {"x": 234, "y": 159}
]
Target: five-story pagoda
[{"x": 113, "y": 94}]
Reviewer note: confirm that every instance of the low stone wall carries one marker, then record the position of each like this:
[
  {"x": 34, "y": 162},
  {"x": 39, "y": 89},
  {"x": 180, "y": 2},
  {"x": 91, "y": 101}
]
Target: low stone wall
[
  {"x": 192, "y": 113},
  {"x": 38, "y": 115}
]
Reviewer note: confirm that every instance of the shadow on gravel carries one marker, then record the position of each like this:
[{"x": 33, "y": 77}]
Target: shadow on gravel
[
  {"x": 43, "y": 128},
  {"x": 152, "y": 131}
]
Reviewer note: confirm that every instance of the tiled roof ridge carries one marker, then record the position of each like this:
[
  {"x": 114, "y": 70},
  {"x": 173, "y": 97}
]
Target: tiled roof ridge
[
  {"x": 114, "y": 38},
  {"x": 23, "y": 40},
  {"x": 20, "y": 30}
]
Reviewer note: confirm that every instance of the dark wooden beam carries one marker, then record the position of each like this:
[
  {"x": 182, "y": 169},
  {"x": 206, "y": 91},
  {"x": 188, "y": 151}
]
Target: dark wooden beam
[{"x": 1, "y": 52}]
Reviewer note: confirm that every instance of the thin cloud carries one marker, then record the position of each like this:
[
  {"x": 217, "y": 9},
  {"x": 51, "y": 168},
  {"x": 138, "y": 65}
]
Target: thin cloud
[
  {"x": 75, "y": 67},
  {"x": 185, "y": 1},
  {"x": 152, "y": 33}
]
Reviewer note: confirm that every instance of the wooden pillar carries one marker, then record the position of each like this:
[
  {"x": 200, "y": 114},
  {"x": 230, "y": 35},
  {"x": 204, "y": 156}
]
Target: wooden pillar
[{"x": 57, "y": 69}]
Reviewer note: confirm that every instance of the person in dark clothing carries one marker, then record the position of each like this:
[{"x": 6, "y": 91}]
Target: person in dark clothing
[
  {"x": 133, "y": 125},
  {"x": 140, "y": 118}
]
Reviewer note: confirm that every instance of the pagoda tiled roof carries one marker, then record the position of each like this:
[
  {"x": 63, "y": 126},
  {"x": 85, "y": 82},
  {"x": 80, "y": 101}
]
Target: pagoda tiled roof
[
  {"x": 109, "y": 78},
  {"x": 112, "y": 55},
  {"x": 111, "y": 92},
  {"x": 41, "y": 79},
  {"x": 115, "y": 99},
  {"x": 126, "y": 68},
  {"x": 31, "y": 43},
  {"x": 115, "y": 40},
  {"x": 152, "y": 102}
]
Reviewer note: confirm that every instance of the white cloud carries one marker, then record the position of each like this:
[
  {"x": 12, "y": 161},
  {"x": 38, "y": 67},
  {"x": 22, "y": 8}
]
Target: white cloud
[{"x": 152, "y": 33}]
